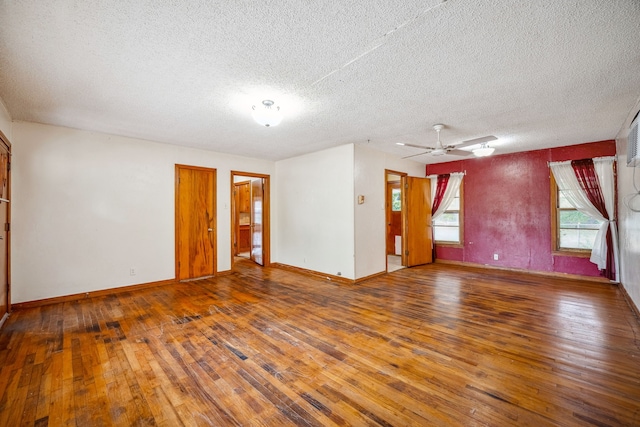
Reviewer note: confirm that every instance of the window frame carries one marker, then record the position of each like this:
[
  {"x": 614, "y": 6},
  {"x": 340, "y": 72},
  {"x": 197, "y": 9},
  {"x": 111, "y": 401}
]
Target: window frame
[
  {"x": 460, "y": 243},
  {"x": 555, "y": 225}
]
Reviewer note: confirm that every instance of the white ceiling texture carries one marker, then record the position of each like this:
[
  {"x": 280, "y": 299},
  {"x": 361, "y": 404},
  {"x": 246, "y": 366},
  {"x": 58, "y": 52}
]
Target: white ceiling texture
[{"x": 536, "y": 74}]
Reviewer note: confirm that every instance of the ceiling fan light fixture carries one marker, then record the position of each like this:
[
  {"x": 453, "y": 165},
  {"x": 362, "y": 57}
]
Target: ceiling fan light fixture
[
  {"x": 483, "y": 151},
  {"x": 268, "y": 114}
]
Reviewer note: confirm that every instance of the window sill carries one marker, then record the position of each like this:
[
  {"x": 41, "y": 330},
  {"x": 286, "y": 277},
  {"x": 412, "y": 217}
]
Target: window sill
[
  {"x": 449, "y": 244},
  {"x": 576, "y": 253}
]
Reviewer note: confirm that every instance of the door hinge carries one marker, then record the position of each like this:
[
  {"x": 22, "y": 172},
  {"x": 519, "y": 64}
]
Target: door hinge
[
  {"x": 406, "y": 253},
  {"x": 7, "y": 226}
]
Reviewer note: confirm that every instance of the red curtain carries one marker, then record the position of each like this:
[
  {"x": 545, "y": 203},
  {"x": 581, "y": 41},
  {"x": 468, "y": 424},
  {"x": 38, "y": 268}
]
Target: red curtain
[
  {"x": 443, "y": 180},
  {"x": 586, "y": 174}
]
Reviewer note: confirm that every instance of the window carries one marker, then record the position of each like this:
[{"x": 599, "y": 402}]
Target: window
[
  {"x": 572, "y": 230},
  {"x": 396, "y": 203},
  {"x": 447, "y": 228}
]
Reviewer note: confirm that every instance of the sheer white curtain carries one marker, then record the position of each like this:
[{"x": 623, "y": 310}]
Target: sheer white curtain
[
  {"x": 568, "y": 183},
  {"x": 453, "y": 185},
  {"x": 604, "y": 169}
]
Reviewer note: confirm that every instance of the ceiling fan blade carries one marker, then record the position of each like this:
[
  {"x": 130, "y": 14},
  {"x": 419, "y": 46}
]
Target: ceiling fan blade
[
  {"x": 424, "y": 147},
  {"x": 415, "y": 155},
  {"x": 476, "y": 141},
  {"x": 459, "y": 152}
]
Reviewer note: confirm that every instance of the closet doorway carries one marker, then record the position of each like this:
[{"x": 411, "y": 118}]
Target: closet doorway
[{"x": 250, "y": 219}]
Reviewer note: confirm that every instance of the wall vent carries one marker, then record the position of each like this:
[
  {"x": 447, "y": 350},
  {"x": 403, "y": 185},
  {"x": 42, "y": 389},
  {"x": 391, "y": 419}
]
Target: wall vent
[{"x": 633, "y": 144}]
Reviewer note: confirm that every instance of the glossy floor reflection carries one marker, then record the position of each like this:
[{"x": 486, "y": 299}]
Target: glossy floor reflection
[{"x": 432, "y": 345}]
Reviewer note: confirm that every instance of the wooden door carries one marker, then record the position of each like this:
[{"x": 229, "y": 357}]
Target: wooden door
[
  {"x": 257, "y": 198},
  {"x": 416, "y": 221},
  {"x": 195, "y": 222},
  {"x": 5, "y": 158}
]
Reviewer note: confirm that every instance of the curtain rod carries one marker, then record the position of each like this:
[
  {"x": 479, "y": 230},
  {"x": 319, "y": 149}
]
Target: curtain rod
[
  {"x": 464, "y": 172},
  {"x": 594, "y": 158}
]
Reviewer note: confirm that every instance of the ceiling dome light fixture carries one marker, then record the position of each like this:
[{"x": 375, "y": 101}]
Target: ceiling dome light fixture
[
  {"x": 268, "y": 114},
  {"x": 484, "y": 150}
]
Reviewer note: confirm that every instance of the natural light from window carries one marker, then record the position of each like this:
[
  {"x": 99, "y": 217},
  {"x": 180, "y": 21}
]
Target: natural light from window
[
  {"x": 575, "y": 229},
  {"x": 446, "y": 228}
]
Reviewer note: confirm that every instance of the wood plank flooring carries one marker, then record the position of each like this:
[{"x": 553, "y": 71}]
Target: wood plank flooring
[{"x": 436, "y": 345}]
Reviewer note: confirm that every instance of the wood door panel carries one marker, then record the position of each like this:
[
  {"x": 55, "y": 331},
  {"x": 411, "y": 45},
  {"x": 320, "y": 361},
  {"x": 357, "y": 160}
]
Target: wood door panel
[
  {"x": 416, "y": 215},
  {"x": 4, "y": 303},
  {"x": 257, "y": 196},
  {"x": 5, "y": 214},
  {"x": 195, "y": 223}
]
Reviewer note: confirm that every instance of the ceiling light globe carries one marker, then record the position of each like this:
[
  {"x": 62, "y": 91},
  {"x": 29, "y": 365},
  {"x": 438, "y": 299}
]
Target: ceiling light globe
[
  {"x": 483, "y": 151},
  {"x": 267, "y": 114}
]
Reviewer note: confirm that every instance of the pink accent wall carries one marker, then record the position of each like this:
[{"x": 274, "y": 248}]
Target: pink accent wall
[{"x": 507, "y": 209}]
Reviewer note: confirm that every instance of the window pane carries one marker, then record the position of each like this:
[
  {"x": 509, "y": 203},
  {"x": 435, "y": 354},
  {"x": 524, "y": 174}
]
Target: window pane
[
  {"x": 446, "y": 234},
  {"x": 576, "y": 219},
  {"x": 577, "y": 238},
  {"x": 577, "y": 230},
  {"x": 448, "y": 218},
  {"x": 396, "y": 204},
  {"x": 563, "y": 202},
  {"x": 455, "y": 205}
]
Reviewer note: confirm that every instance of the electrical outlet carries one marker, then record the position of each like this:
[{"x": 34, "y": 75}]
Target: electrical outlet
[
  {"x": 132, "y": 271},
  {"x": 495, "y": 257}
]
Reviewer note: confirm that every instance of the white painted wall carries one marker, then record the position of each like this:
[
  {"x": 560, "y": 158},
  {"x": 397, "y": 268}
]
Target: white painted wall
[
  {"x": 370, "y": 228},
  {"x": 5, "y": 121},
  {"x": 88, "y": 206},
  {"x": 628, "y": 221},
  {"x": 314, "y": 216}
]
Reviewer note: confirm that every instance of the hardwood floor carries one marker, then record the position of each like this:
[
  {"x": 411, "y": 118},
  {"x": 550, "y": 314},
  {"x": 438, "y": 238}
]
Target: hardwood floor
[{"x": 434, "y": 345}]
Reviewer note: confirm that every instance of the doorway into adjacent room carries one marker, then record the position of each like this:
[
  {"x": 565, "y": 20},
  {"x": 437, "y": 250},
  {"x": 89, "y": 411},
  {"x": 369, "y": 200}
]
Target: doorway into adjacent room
[
  {"x": 250, "y": 221},
  {"x": 408, "y": 226},
  {"x": 393, "y": 203}
]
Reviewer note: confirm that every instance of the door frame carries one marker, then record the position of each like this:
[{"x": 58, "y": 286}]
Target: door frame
[
  {"x": 214, "y": 220},
  {"x": 235, "y": 217},
  {"x": 388, "y": 172},
  {"x": 266, "y": 215},
  {"x": 4, "y": 141}
]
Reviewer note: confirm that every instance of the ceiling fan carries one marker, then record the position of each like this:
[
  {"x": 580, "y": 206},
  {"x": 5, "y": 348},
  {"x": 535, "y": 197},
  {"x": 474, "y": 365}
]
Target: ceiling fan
[{"x": 441, "y": 149}]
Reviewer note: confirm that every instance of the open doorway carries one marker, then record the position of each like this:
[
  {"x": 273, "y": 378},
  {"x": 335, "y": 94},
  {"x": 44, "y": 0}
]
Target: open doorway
[
  {"x": 394, "y": 229},
  {"x": 250, "y": 222}
]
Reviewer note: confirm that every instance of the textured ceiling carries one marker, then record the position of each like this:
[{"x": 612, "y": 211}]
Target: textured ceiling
[{"x": 536, "y": 74}]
